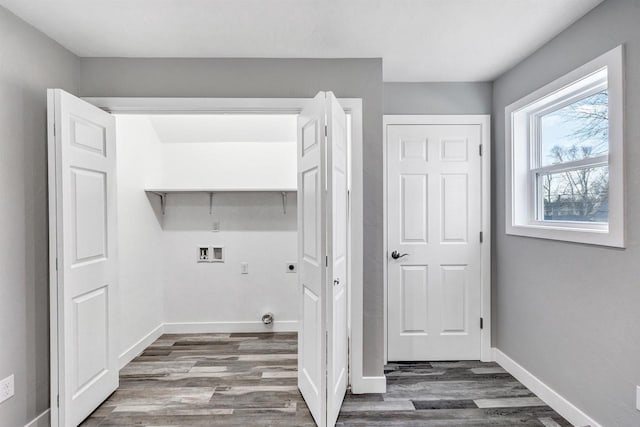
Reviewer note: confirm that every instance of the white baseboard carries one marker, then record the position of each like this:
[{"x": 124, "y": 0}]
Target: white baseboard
[
  {"x": 132, "y": 352},
  {"x": 230, "y": 327},
  {"x": 558, "y": 403},
  {"x": 42, "y": 420},
  {"x": 365, "y": 385}
]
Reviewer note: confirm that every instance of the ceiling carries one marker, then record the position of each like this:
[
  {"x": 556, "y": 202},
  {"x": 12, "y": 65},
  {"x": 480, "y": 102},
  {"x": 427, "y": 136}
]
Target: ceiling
[
  {"x": 419, "y": 40},
  {"x": 200, "y": 128}
]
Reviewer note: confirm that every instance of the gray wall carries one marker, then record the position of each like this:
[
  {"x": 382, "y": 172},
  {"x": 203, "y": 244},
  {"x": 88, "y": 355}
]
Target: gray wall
[
  {"x": 570, "y": 313},
  {"x": 438, "y": 98},
  {"x": 277, "y": 78},
  {"x": 30, "y": 62}
]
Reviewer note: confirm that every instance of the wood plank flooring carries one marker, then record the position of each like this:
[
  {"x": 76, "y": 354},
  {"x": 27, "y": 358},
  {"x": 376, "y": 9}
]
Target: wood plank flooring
[{"x": 250, "y": 380}]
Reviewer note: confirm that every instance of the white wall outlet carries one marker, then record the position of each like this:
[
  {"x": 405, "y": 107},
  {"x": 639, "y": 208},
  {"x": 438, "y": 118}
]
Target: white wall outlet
[
  {"x": 638, "y": 397},
  {"x": 244, "y": 268},
  {"x": 215, "y": 226},
  {"x": 204, "y": 254},
  {"x": 291, "y": 267},
  {"x": 217, "y": 254},
  {"x": 6, "y": 388}
]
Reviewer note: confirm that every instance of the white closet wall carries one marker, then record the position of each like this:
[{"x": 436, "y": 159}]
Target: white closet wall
[
  {"x": 160, "y": 280},
  {"x": 229, "y": 164},
  {"x": 216, "y": 296},
  {"x": 139, "y": 159}
]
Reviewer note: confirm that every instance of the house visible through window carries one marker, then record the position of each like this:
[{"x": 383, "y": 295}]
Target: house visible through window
[
  {"x": 564, "y": 163},
  {"x": 572, "y": 177}
]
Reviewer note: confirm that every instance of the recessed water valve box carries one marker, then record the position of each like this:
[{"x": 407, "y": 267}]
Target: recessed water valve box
[{"x": 204, "y": 254}]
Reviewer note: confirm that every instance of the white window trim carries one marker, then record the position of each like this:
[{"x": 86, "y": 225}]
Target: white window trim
[{"x": 518, "y": 186}]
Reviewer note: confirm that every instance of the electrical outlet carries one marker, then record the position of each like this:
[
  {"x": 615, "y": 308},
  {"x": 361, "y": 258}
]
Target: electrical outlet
[
  {"x": 291, "y": 267},
  {"x": 244, "y": 268},
  {"x": 6, "y": 388},
  {"x": 638, "y": 398}
]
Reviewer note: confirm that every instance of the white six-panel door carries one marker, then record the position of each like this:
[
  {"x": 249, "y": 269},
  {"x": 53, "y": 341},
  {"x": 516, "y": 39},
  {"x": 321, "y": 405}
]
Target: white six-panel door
[
  {"x": 312, "y": 250},
  {"x": 337, "y": 370},
  {"x": 433, "y": 232},
  {"x": 82, "y": 181},
  {"x": 322, "y": 247}
]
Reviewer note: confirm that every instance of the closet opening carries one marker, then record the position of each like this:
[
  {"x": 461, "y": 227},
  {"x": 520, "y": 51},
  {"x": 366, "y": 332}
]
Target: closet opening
[
  {"x": 207, "y": 213},
  {"x": 214, "y": 214}
]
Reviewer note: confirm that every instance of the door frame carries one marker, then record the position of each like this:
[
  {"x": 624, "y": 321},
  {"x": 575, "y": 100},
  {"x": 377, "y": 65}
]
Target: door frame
[
  {"x": 353, "y": 106},
  {"x": 484, "y": 121}
]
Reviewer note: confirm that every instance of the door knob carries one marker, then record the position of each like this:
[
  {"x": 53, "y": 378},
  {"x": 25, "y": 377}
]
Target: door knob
[
  {"x": 336, "y": 282},
  {"x": 397, "y": 255}
]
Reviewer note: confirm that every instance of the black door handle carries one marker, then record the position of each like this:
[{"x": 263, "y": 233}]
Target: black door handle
[{"x": 397, "y": 255}]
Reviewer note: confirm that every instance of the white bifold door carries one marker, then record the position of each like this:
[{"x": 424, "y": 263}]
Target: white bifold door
[
  {"x": 434, "y": 242},
  {"x": 83, "y": 259},
  {"x": 322, "y": 246}
]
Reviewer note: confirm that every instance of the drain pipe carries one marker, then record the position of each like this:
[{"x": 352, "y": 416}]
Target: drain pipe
[{"x": 267, "y": 319}]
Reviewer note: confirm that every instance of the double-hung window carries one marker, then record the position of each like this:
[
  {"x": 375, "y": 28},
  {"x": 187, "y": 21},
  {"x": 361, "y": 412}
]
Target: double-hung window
[{"x": 564, "y": 157}]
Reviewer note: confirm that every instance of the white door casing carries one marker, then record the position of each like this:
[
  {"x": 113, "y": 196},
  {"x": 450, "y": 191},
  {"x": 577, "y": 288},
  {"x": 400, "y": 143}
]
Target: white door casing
[
  {"x": 83, "y": 258},
  {"x": 337, "y": 369},
  {"x": 434, "y": 215},
  {"x": 322, "y": 236}
]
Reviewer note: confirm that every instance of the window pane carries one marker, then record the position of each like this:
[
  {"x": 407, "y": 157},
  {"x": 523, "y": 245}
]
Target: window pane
[
  {"x": 577, "y": 131},
  {"x": 575, "y": 195}
]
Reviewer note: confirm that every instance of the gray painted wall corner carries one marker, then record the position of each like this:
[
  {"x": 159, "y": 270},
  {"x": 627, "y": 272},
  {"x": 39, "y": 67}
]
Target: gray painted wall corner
[
  {"x": 568, "y": 312},
  {"x": 31, "y": 62}
]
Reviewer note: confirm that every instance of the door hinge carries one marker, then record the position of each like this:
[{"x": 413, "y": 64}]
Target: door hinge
[
  {"x": 56, "y": 264},
  {"x": 326, "y": 261},
  {"x": 54, "y": 128},
  {"x": 58, "y": 400},
  {"x": 481, "y": 323},
  {"x": 480, "y": 149},
  {"x": 481, "y": 237},
  {"x": 326, "y": 130}
]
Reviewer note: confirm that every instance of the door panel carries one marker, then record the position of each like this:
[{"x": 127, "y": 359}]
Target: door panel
[
  {"x": 414, "y": 208},
  {"x": 312, "y": 272},
  {"x": 322, "y": 229},
  {"x": 415, "y": 287},
  {"x": 434, "y": 217},
  {"x": 83, "y": 228},
  {"x": 455, "y": 212},
  {"x": 454, "y": 298},
  {"x": 89, "y": 200},
  {"x": 338, "y": 345},
  {"x": 92, "y": 356}
]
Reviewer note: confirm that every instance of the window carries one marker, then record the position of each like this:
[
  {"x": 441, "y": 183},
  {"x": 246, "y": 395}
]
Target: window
[{"x": 564, "y": 162}]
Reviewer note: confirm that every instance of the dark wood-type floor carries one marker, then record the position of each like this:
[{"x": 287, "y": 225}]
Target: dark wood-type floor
[{"x": 250, "y": 380}]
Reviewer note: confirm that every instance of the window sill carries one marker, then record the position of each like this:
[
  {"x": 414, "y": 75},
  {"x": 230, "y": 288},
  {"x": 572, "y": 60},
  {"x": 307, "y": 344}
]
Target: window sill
[{"x": 590, "y": 236}]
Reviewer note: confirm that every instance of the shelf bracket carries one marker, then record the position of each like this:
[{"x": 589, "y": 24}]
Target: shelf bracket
[
  {"x": 210, "y": 203},
  {"x": 163, "y": 201},
  {"x": 284, "y": 202}
]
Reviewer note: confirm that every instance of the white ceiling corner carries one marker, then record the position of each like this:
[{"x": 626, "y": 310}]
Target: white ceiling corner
[{"x": 418, "y": 40}]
